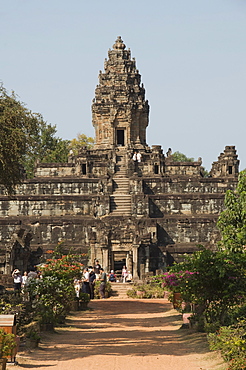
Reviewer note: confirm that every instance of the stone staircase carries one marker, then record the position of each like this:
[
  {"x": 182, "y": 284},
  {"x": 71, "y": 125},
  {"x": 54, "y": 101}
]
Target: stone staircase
[
  {"x": 119, "y": 290},
  {"x": 120, "y": 200}
]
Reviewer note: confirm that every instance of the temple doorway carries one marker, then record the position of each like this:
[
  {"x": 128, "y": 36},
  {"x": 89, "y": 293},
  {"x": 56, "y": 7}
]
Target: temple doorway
[
  {"x": 120, "y": 137},
  {"x": 119, "y": 260}
]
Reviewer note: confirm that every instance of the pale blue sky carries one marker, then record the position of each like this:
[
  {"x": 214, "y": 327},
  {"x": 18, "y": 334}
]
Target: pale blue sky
[{"x": 191, "y": 55}]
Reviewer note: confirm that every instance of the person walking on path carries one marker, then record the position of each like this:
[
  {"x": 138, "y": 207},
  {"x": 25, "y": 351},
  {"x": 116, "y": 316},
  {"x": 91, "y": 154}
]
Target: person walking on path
[{"x": 103, "y": 280}]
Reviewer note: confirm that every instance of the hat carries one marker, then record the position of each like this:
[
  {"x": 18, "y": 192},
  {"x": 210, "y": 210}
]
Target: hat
[{"x": 16, "y": 271}]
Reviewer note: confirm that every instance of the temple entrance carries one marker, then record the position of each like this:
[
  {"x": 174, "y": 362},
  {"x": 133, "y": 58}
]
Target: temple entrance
[
  {"x": 119, "y": 260},
  {"x": 120, "y": 137}
]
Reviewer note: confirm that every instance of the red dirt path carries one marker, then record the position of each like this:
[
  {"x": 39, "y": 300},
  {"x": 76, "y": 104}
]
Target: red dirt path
[{"x": 122, "y": 335}]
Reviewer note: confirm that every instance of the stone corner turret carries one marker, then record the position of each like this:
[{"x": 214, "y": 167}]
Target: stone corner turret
[{"x": 227, "y": 164}]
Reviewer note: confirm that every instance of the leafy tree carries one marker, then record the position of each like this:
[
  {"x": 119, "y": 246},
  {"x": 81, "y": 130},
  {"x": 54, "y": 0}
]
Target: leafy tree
[
  {"x": 81, "y": 141},
  {"x": 25, "y": 138},
  {"x": 17, "y": 126},
  {"x": 232, "y": 222},
  {"x": 180, "y": 157},
  {"x": 45, "y": 146}
]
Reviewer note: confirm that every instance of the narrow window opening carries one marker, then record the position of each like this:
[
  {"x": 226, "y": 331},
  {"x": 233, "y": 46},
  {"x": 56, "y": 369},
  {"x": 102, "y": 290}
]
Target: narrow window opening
[
  {"x": 83, "y": 168},
  {"x": 120, "y": 137},
  {"x": 156, "y": 169},
  {"x": 230, "y": 170}
]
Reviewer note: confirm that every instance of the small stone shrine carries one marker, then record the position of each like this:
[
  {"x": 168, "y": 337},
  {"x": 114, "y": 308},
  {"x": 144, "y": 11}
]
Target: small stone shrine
[{"x": 122, "y": 202}]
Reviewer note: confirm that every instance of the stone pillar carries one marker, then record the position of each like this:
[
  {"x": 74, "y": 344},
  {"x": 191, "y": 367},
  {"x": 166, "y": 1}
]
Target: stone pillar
[
  {"x": 93, "y": 254},
  {"x": 135, "y": 261},
  {"x": 129, "y": 266},
  {"x": 105, "y": 261},
  {"x": 127, "y": 260}
]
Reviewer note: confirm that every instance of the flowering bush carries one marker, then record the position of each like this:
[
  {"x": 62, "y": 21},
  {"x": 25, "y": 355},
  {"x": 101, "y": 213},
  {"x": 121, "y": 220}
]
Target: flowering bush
[
  {"x": 175, "y": 281},
  {"x": 65, "y": 267},
  {"x": 51, "y": 298},
  {"x": 214, "y": 281},
  {"x": 52, "y": 294},
  {"x": 231, "y": 342}
]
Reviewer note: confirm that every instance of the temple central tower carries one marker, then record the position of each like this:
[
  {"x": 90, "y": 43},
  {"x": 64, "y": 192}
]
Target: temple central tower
[{"x": 120, "y": 113}]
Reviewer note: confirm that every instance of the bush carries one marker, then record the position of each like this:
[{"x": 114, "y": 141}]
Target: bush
[
  {"x": 84, "y": 297},
  {"x": 150, "y": 290},
  {"x": 231, "y": 342},
  {"x": 108, "y": 289},
  {"x": 12, "y": 305},
  {"x": 7, "y": 343},
  {"x": 51, "y": 298}
]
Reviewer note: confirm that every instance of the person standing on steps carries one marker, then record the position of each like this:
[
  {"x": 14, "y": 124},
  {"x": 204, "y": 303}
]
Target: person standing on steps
[
  {"x": 134, "y": 158},
  {"x": 139, "y": 157},
  {"x": 103, "y": 280},
  {"x": 124, "y": 274},
  {"x": 97, "y": 267}
]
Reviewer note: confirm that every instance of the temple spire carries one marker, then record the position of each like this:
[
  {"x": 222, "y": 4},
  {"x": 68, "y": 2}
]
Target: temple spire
[{"x": 120, "y": 113}]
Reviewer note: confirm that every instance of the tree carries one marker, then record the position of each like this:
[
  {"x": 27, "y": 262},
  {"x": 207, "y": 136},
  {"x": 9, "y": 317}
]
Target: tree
[
  {"x": 81, "y": 141},
  {"x": 232, "y": 221},
  {"x": 180, "y": 157},
  {"x": 45, "y": 146},
  {"x": 17, "y": 125}
]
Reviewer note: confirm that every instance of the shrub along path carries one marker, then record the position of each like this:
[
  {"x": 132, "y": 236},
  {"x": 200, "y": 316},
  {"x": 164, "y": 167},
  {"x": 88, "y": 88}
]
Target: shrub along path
[{"x": 123, "y": 334}]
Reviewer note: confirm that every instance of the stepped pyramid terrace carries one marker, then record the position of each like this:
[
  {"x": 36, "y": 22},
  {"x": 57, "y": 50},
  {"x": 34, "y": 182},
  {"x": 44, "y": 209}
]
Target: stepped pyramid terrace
[{"x": 143, "y": 214}]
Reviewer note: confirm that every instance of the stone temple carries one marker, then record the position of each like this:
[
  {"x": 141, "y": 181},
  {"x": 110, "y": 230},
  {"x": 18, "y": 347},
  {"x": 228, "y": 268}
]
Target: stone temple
[{"x": 143, "y": 214}]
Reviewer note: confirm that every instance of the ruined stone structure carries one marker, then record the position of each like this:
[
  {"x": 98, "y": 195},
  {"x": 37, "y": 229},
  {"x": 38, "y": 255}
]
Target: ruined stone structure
[{"x": 144, "y": 214}]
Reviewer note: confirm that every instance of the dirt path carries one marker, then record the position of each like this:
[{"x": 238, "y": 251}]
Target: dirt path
[{"x": 122, "y": 334}]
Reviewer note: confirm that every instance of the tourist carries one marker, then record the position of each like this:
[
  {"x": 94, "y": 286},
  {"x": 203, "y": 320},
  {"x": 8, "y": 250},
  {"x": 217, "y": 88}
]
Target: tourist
[
  {"x": 129, "y": 277},
  {"x": 124, "y": 274},
  {"x": 77, "y": 287},
  {"x": 85, "y": 281},
  {"x": 23, "y": 281},
  {"x": 103, "y": 280},
  {"x": 97, "y": 267},
  {"x": 32, "y": 274},
  {"x": 134, "y": 158},
  {"x": 92, "y": 279},
  {"x": 17, "y": 281},
  {"x": 112, "y": 276},
  {"x": 139, "y": 157}
]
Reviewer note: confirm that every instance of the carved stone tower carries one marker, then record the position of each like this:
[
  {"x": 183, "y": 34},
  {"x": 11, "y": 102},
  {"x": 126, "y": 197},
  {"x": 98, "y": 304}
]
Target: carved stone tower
[
  {"x": 120, "y": 113},
  {"x": 227, "y": 164}
]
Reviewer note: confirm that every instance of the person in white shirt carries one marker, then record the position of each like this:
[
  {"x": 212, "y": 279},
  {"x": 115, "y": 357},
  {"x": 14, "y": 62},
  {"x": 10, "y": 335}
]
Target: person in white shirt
[
  {"x": 17, "y": 281},
  {"x": 139, "y": 157}
]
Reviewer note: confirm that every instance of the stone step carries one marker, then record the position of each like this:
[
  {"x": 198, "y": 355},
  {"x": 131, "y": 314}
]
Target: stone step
[
  {"x": 121, "y": 198},
  {"x": 121, "y": 186},
  {"x": 120, "y": 204},
  {"x": 119, "y": 290},
  {"x": 117, "y": 207}
]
